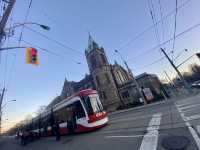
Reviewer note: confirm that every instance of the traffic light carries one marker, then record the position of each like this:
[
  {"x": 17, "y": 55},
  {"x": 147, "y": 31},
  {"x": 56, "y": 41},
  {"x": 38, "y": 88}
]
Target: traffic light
[
  {"x": 198, "y": 55},
  {"x": 32, "y": 56}
]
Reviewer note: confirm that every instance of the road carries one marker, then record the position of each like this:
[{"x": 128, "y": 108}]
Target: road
[{"x": 143, "y": 128}]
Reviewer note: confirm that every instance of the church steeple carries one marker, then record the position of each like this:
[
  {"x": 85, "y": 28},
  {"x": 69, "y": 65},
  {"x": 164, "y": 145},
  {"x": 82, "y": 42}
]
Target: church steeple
[{"x": 92, "y": 45}]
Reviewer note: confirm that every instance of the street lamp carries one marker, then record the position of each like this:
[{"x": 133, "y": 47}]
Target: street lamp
[
  {"x": 1, "y": 108},
  {"x": 45, "y": 27},
  {"x": 7, "y": 103}
]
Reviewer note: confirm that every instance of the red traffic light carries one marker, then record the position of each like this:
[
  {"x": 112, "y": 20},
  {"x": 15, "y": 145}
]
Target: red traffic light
[{"x": 33, "y": 51}]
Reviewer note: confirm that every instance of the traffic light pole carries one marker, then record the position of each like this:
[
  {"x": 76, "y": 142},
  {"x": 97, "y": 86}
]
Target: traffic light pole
[
  {"x": 5, "y": 18},
  {"x": 178, "y": 72},
  {"x": 1, "y": 100},
  {"x": 2, "y": 34}
]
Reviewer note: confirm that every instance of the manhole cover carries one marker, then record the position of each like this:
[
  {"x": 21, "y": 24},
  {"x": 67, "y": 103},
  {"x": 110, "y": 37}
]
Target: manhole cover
[{"x": 175, "y": 142}]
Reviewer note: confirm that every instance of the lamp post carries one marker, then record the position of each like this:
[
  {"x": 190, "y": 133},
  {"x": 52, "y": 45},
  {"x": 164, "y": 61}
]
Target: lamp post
[
  {"x": 45, "y": 27},
  {"x": 1, "y": 108},
  {"x": 14, "y": 100},
  {"x": 134, "y": 80}
]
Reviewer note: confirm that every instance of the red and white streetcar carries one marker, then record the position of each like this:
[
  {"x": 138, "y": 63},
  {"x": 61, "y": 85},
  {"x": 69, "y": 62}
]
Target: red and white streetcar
[{"x": 82, "y": 112}]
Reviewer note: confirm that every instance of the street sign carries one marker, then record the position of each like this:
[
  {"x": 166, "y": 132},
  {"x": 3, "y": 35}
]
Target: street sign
[{"x": 148, "y": 94}]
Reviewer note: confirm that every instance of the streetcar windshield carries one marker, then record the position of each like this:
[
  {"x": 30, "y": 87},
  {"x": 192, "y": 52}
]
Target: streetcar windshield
[{"x": 92, "y": 104}]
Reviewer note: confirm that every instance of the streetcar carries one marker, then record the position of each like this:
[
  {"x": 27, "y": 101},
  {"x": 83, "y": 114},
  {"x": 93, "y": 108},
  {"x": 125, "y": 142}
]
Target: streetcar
[{"x": 82, "y": 112}]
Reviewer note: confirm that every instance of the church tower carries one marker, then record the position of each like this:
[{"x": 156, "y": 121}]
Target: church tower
[
  {"x": 67, "y": 89},
  {"x": 101, "y": 72}
]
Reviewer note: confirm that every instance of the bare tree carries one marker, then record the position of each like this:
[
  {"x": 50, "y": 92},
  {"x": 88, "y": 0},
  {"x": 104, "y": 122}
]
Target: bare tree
[{"x": 40, "y": 110}]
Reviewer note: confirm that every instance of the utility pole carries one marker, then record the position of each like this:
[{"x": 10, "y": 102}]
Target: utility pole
[
  {"x": 2, "y": 34},
  {"x": 5, "y": 18},
  {"x": 1, "y": 100},
  {"x": 178, "y": 72},
  {"x": 134, "y": 80},
  {"x": 168, "y": 77}
]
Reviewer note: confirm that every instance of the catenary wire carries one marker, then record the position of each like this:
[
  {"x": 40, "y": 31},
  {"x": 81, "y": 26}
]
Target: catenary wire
[
  {"x": 55, "y": 41},
  {"x": 152, "y": 26},
  {"x": 165, "y": 42}
]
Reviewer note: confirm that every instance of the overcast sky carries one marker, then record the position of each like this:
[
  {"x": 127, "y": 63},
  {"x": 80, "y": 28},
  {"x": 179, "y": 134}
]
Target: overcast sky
[{"x": 112, "y": 23}]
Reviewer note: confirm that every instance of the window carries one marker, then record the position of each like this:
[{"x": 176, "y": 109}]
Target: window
[
  {"x": 125, "y": 94},
  {"x": 92, "y": 104},
  {"x": 80, "y": 113},
  {"x": 87, "y": 104},
  {"x": 107, "y": 78},
  {"x": 93, "y": 62},
  {"x": 61, "y": 114},
  {"x": 98, "y": 81},
  {"x": 96, "y": 103},
  {"x": 103, "y": 58}
]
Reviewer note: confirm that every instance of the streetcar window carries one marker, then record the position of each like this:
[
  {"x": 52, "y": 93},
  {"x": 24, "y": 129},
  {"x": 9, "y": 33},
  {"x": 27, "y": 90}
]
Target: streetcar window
[
  {"x": 92, "y": 104},
  {"x": 61, "y": 114},
  {"x": 80, "y": 113},
  {"x": 96, "y": 104},
  {"x": 87, "y": 104}
]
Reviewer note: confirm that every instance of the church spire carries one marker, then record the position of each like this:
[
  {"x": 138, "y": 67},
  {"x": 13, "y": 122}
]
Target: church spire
[{"x": 91, "y": 43}]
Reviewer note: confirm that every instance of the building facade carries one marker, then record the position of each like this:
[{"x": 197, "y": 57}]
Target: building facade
[{"x": 114, "y": 83}]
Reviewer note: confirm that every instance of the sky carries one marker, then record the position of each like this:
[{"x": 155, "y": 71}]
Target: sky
[{"x": 113, "y": 24}]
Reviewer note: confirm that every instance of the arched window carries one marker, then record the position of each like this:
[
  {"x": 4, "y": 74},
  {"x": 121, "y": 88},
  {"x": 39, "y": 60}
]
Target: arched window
[
  {"x": 103, "y": 58},
  {"x": 93, "y": 62}
]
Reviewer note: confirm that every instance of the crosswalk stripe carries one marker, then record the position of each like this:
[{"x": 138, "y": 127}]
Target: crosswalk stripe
[
  {"x": 192, "y": 131},
  {"x": 124, "y": 136},
  {"x": 198, "y": 129},
  {"x": 150, "y": 140},
  {"x": 188, "y": 107},
  {"x": 193, "y": 117}
]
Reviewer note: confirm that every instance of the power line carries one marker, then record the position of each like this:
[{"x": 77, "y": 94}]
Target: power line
[
  {"x": 162, "y": 23},
  {"x": 153, "y": 17},
  {"x": 167, "y": 41},
  {"x": 47, "y": 50},
  {"x": 55, "y": 41},
  {"x": 26, "y": 17},
  {"x": 175, "y": 24},
  {"x": 152, "y": 26},
  {"x": 150, "y": 64}
]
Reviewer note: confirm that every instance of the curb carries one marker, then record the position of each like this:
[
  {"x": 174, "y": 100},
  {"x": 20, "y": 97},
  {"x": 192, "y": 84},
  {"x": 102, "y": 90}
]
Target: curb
[
  {"x": 148, "y": 105},
  {"x": 139, "y": 107}
]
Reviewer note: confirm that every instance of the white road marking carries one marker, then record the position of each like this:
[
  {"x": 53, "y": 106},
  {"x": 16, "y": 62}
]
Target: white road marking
[
  {"x": 198, "y": 129},
  {"x": 193, "y": 117},
  {"x": 150, "y": 140},
  {"x": 188, "y": 107},
  {"x": 124, "y": 136},
  {"x": 192, "y": 131}
]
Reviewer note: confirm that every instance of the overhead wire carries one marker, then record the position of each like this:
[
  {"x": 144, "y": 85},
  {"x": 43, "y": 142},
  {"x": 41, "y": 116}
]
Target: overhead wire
[
  {"x": 153, "y": 17},
  {"x": 162, "y": 22},
  {"x": 175, "y": 26},
  {"x": 147, "y": 51},
  {"x": 150, "y": 64},
  {"x": 55, "y": 41},
  {"x": 182, "y": 5},
  {"x": 25, "y": 20},
  {"x": 47, "y": 50},
  {"x": 162, "y": 27}
]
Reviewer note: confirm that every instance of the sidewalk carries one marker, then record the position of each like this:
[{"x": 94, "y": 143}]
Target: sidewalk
[{"x": 152, "y": 104}]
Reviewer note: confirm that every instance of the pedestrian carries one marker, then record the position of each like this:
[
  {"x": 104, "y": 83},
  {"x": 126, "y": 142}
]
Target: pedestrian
[
  {"x": 57, "y": 130},
  {"x": 24, "y": 137}
]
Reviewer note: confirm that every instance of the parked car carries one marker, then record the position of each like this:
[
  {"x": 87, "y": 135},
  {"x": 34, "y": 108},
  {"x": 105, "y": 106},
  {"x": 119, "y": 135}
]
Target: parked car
[{"x": 196, "y": 85}]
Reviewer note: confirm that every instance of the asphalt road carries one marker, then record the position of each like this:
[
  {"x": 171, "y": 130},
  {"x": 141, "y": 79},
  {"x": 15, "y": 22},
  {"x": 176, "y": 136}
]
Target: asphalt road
[{"x": 144, "y": 128}]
